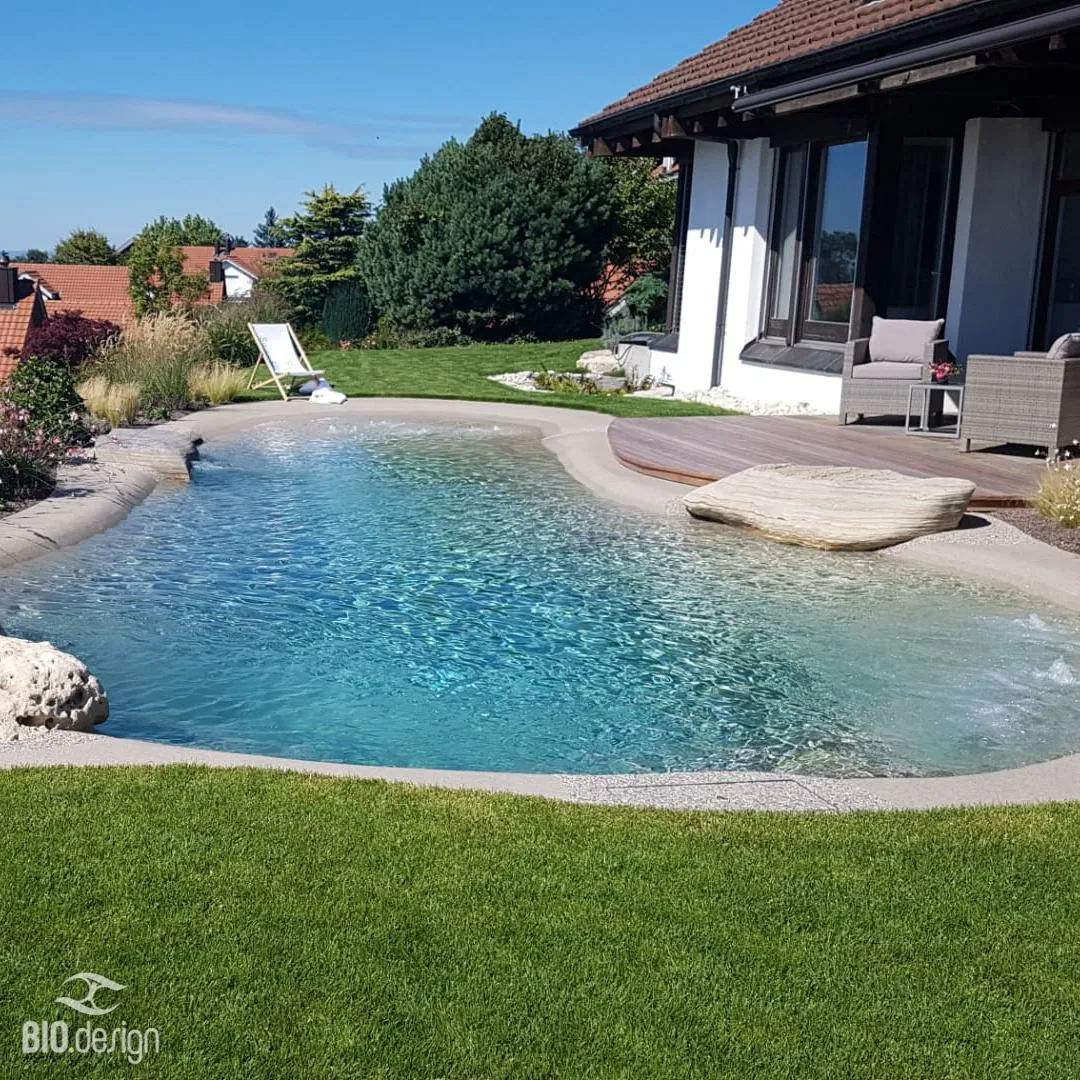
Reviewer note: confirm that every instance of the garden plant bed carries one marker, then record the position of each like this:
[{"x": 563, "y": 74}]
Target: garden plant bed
[
  {"x": 278, "y": 924},
  {"x": 1035, "y": 525}
]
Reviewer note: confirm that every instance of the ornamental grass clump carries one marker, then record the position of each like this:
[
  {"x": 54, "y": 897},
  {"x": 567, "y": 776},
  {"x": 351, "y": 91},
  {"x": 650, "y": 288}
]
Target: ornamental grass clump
[
  {"x": 216, "y": 383},
  {"x": 116, "y": 402},
  {"x": 157, "y": 354},
  {"x": 28, "y": 454},
  {"x": 1058, "y": 497}
]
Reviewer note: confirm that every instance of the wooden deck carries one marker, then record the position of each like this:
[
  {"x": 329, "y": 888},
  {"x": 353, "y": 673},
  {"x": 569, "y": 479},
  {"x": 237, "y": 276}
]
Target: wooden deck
[{"x": 697, "y": 450}]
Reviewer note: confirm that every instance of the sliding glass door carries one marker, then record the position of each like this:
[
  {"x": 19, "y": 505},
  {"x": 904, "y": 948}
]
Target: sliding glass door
[
  {"x": 1060, "y": 301},
  {"x": 917, "y": 275}
]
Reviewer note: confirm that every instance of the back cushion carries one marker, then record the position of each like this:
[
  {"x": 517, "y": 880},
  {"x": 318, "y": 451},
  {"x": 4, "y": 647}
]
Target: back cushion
[
  {"x": 1066, "y": 347},
  {"x": 903, "y": 341}
]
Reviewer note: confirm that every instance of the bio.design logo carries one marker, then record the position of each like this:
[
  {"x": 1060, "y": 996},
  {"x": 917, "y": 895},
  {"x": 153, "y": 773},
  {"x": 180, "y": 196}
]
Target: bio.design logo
[
  {"x": 94, "y": 983},
  {"x": 58, "y": 1037}
]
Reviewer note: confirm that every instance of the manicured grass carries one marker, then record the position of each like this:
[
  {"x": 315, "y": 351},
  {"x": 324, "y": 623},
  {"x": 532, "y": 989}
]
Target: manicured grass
[
  {"x": 461, "y": 372},
  {"x": 288, "y": 926}
]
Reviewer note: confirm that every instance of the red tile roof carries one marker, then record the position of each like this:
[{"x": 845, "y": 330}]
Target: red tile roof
[
  {"x": 99, "y": 292},
  {"x": 15, "y": 323},
  {"x": 256, "y": 260},
  {"x": 791, "y": 29},
  {"x": 253, "y": 260}
]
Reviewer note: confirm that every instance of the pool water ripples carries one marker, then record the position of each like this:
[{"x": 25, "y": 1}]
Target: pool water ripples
[{"x": 449, "y": 597}]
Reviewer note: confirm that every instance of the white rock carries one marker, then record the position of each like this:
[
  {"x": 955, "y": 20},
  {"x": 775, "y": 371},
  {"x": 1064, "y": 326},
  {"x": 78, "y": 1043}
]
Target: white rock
[
  {"x": 519, "y": 380},
  {"x": 655, "y": 392},
  {"x": 40, "y": 686},
  {"x": 833, "y": 508},
  {"x": 724, "y": 399},
  {"x": 598, "y": 362}
]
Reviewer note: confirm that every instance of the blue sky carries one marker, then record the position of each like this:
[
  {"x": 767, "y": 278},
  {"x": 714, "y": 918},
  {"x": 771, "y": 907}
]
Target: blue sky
[{"x": 115, "y": 111}]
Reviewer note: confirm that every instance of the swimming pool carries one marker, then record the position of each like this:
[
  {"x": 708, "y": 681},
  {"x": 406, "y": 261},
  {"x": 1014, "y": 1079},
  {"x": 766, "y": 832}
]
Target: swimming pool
[{"x": 447, "y": 596}]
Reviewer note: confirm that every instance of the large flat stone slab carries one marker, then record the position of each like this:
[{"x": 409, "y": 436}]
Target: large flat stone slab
[
  {"x": 165, "y": 449},
  {"x": 834, "y": 508}
]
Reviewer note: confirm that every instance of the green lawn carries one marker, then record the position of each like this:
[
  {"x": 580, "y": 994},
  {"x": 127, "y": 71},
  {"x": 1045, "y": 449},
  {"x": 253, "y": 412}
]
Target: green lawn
[
  {"x": 281, "y": 926},
  {"x": 460, "y": 372}
]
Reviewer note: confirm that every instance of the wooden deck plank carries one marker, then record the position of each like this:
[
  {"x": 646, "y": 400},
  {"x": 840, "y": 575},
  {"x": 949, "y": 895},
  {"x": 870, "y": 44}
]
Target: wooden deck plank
[{"x": 700, "y": 449}]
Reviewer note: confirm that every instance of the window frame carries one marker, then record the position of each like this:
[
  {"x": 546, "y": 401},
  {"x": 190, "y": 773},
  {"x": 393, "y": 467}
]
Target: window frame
[{"x": 799, "y": 327}]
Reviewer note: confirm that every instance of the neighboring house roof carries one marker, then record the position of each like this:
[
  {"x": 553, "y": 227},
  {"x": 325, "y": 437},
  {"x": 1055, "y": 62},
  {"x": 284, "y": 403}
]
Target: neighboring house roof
[
  {"x": 251, "y": 261},
  {"x": 99, "y": 292},
  {"x": 16, "y": 321},
  {"x": 793, "y": 28},
  {"x": 616, "y": 281},
  {"x": 254, "y": 261}
]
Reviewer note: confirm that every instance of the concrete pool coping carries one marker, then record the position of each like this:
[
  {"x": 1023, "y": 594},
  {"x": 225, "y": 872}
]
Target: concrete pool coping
[{"x": 92, "y": 497}]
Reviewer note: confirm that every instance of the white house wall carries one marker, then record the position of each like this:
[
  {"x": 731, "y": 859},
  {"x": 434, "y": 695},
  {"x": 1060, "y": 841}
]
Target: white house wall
[
  {"x": 746, "y": 291},
  {"x": 691, "y": 367},
  {"x": 237, "y": 283},
  {"x": 998, "y": 229}
]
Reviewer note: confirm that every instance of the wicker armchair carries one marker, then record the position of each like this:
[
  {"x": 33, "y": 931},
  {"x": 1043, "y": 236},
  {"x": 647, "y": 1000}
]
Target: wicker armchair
[
  {"x": 1028, "y": 398},
  {"x": 873, "y": 386}
]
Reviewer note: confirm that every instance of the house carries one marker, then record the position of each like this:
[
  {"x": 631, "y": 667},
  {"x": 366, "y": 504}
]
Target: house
[
  {"x": 841, "y": 159},
  {"x": 21, "y": 309},
  {"x": 232, "y": 272},
  {"x": 98, "y": 292}
]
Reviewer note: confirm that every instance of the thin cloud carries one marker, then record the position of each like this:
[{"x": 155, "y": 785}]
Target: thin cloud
[{"x": 373, "y": 137}]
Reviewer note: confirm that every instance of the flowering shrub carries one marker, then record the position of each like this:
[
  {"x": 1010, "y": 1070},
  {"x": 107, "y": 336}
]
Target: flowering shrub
[
  {"x": 69, "y": 339},
  {"x": 1058, "y": 497},
  {"x": 46, "y": 390},
  {"x": 28, "y": 454}
]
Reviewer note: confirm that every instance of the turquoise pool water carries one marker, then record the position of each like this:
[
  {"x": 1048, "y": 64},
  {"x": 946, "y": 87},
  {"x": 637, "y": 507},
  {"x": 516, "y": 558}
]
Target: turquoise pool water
[{"x": 444, "y": 597}]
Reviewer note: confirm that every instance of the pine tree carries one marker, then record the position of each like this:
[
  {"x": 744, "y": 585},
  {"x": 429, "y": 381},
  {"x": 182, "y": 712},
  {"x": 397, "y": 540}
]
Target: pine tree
[
  {"x": 325, "y": 233},
  {"x": 502, "y": 235},
  {"x": 269, "y": 233}
]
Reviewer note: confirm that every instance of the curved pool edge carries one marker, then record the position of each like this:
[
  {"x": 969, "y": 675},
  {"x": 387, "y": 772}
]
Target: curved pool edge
[
  {"x": 1053, "y": 781},
  {"x": 87, "y": 499},
  {"x": 91, "y": 498}
]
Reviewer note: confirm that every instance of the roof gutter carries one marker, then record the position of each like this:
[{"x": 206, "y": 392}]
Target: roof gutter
[{"x": 1013, "y": 33}]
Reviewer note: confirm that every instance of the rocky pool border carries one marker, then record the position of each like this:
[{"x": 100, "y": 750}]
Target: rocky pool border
[{"x": 92, "y": 497}]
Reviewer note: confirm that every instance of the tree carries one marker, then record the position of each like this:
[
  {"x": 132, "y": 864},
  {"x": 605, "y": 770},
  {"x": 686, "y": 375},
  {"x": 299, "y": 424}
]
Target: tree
[
  {"x": 269, "y": 233},
  {"x": 499, "y": 236},
  {"x": 87, "y": 247},
  {"x": 68, "y": 339},
  {"x": 158, "y": 281},
  {"x": 644, "y": 208},
  {"x": 326, "y": 233},
  {"x": 37, "y": 255}
]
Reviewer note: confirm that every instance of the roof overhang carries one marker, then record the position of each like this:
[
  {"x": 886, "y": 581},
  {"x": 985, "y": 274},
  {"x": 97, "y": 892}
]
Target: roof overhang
[{"x": 911, "y": 53}]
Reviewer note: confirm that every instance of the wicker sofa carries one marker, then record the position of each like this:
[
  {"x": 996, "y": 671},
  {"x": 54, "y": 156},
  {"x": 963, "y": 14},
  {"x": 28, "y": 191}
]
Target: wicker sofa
[
  {"x": 879, "y": 370},
  {"x": 1028, "y": 398}
]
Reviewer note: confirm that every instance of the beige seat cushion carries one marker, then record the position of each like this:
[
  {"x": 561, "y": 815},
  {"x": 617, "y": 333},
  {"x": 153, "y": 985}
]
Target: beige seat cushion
[
  {"x": 887, "y": 369},
  {"x": 903, "y": 341}
]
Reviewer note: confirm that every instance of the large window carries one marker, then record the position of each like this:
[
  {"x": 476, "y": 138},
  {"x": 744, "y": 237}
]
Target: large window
[
  {"x": 1060, "y": 307},
  {"x": 815, "y": 244}
]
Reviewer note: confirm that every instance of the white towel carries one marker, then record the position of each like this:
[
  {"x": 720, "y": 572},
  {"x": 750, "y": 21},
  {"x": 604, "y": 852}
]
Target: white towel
[{"x": 325, "y": 394}]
